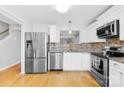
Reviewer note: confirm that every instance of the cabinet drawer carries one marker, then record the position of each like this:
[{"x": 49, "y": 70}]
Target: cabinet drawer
[{"x": 116, "y": 64}]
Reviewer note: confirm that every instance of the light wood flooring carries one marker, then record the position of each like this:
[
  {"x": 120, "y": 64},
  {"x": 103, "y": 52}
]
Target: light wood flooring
[{"x": 12, "y": 78}]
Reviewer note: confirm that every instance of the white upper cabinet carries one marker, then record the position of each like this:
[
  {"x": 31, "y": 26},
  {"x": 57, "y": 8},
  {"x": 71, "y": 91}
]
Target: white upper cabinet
[
  {"x": 112, "y": 16},
  {"x": 116, "y": 12},
  {"x": 89, "y": 35},
  {"x": 54, "y": 34},
  {"x": 121, "y": 25},
  {"x": 93, "y": 33},
  {"x": 84, "y": 36}
]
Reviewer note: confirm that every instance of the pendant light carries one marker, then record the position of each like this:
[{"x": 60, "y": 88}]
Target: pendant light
[{"x": 69, "y": 27}]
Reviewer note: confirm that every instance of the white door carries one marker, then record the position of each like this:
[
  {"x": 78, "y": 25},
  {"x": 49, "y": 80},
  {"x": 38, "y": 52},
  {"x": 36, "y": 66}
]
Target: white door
[
  {"x": 86, "y": 61},
  {"x": 122, "y": 79},
  {"x": 115, "y": 77},
  {"x": 72, "y": 62},
  {"x": 54, "y": 34}
]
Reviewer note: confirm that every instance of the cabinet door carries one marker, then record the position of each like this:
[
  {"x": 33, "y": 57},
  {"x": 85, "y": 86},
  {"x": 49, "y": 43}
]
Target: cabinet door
[
  {"x": 113, "y": 16},
  {"x": 122, "y": 79},
  {"x": 67, "y": 62},
  {"x": 85, "y": 36},
  {"x": 93, "y": 33},
  {"x": 115, "y": 77},
  {"x": 122, "y": 25},
  {"x": 86, "y": 61},
  {"x": 76, "y": 61},
  {"x": 54, "y": 33},
  {"x": 52, "y": 29},
  {"x": 72, "y": 62},
  {"x": 89, "y": 35}
]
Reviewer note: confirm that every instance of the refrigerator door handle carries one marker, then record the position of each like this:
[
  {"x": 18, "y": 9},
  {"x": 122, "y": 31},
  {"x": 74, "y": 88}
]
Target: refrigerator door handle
[
  {"x": 35, "y": 44},
  {"x": 34, "y": 47}
]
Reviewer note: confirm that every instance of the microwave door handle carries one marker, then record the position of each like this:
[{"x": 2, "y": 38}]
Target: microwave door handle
[
  {"x": 35, "y": 43},
  {"x": 111, "y": 29},
  {"x": 115, "y": 28}
]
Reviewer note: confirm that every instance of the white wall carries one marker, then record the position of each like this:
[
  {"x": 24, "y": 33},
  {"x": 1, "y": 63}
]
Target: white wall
[
  {"x": 40, "y": 28},
  {"x": 8, "y": 17},
  {"x": 10, "y": 49}
]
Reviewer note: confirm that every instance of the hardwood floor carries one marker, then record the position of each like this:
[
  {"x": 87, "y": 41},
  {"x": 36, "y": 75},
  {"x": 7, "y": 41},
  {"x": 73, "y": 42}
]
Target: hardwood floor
[{"x": 12, "y": 77}]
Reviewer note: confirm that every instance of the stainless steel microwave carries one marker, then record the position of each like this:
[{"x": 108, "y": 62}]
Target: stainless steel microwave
[{"x": 109, "y": 30}]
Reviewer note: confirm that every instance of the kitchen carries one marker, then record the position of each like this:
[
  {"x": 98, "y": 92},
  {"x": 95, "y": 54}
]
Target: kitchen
[{"x": 93, "y": 48}]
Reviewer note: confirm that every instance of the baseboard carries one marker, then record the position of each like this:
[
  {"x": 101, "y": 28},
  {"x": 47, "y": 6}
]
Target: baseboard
[
  {"x": 9, "y": 66},
  {"x": 22, "y": 73}
]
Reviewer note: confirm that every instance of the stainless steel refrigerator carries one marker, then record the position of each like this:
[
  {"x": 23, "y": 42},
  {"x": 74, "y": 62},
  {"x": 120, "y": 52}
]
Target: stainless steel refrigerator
[{"x": 36, "y": 52}]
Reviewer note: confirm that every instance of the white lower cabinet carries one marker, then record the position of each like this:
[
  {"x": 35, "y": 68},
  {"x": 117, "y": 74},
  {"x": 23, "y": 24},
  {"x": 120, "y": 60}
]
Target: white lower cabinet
[
  {"x": 116, "y": 74},
  {"x": 72, "y": 61},
  {"x": 86, "y": 61},
  {"x": 76, "y": 61}
]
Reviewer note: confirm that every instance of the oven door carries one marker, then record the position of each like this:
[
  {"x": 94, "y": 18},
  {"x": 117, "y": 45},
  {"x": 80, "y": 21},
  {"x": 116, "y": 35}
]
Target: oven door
[
  {"x": 100, "y": 71},
  {"x": 97, "y": 66}
]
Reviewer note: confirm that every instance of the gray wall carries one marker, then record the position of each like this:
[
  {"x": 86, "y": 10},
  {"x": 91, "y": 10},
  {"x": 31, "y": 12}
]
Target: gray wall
[{"x": 10, "y": 48}]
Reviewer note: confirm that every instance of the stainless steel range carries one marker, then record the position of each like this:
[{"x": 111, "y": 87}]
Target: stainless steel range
[
  {"x": 100, "y": 63},
  {"x": 100, "y": 68}
]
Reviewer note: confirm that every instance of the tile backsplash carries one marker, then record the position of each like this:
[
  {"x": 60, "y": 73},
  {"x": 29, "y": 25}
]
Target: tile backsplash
[
  {"x": 115, "y": 42},
  {"x": 65, "y": 47},
  {"x": 86, "y": 47}
]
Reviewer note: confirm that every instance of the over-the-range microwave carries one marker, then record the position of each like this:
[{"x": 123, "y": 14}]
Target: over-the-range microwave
[{"x": 109, "y": 30}]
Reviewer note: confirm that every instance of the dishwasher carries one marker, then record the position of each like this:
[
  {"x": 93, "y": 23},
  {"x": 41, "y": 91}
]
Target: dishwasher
[{"x": 56, "y": 61}]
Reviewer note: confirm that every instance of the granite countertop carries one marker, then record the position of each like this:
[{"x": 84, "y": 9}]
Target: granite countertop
[
  {"x": 69, "y": 51},
  {"x": 118, "y": 59},
  {"x": 56, "y": 51},
  {"x": 88, "y": 51}
]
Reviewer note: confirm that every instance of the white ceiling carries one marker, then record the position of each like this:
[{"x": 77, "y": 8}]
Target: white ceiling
[{"x": 46, "y": 14}]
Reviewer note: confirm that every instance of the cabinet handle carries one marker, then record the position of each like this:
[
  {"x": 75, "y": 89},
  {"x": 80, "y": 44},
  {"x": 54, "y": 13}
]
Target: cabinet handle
[
  {"x": 121, "y": 73},
  {"x": 116, "y": 64}
]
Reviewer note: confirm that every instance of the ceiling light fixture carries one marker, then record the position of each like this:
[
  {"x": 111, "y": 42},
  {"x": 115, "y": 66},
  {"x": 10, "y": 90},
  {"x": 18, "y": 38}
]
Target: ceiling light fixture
[
  {"x": 70, "y": 31},
  {"x": 62, "y": 8}
]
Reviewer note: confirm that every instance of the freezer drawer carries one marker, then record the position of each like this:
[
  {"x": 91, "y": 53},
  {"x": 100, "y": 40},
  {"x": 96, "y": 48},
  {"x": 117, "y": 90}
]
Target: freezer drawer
[
  {"x": 39, "y": 65},
  {"x": 29, "y": 65}
]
